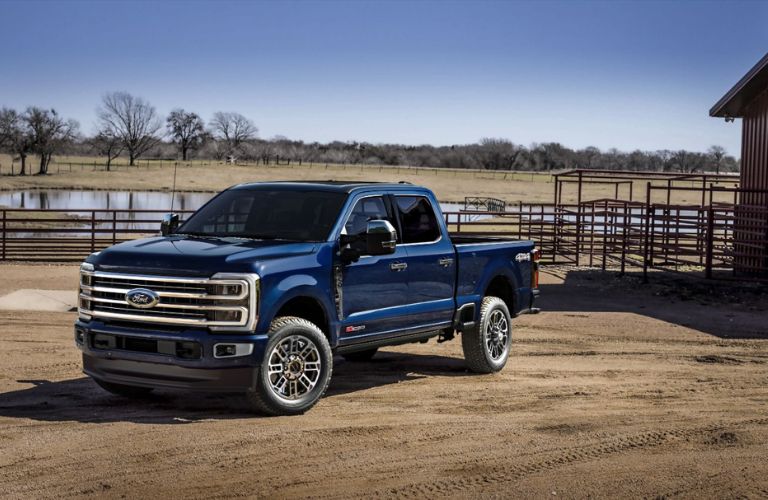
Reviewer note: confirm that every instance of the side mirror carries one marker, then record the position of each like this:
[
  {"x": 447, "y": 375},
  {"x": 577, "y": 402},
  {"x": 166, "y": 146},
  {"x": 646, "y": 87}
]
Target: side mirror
[
  {"x": 380, "y": 238},
  {"x": 168, "y": 224}
]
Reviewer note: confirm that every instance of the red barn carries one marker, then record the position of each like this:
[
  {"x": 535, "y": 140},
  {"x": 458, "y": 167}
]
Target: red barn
[{"x": 748, "y": 100}]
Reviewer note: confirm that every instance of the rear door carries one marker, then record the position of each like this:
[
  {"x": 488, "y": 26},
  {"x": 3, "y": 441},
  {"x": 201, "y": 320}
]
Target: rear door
[{"x": 431, "y": 262}]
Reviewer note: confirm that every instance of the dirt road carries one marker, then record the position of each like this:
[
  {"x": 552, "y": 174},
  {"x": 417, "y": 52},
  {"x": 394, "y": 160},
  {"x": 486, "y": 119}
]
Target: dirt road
[{"x": 616, "y": 390}]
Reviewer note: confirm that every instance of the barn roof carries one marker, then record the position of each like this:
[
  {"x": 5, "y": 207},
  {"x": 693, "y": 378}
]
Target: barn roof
[{"x": 733, "y": 103}]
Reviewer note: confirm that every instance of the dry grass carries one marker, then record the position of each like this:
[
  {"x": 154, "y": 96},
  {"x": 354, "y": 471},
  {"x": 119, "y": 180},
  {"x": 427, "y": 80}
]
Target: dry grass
[{"x": 448, "y": 184}]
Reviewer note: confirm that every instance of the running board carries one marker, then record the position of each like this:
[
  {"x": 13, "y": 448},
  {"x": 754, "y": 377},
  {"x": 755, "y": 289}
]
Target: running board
[{"x": 399, "y": 340}]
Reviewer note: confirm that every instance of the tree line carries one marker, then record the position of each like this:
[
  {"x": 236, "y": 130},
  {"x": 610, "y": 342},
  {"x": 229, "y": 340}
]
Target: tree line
[{"x": 129, "y": 126}]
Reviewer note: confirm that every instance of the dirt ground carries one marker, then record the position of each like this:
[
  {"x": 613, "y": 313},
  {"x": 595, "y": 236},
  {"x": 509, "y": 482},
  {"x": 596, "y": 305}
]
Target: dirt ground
[{"x": 616, "y": 389}]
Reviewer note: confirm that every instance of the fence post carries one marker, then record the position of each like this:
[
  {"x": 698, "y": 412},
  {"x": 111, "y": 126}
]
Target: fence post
[
  {"x": 646, "y": 236},
  {"x": 93, "y": 231},
  {"x": 4, "y": 237},
  {"x": 624, "y": 237},
  {"x": 709, "y": 242},
  {"x": 605, "y": 233},
  {"x": 578, "y": 220},
  {"x": 114, "y": 226}
]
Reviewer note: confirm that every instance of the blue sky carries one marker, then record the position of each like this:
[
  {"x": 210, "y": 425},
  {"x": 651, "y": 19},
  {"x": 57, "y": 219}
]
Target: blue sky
[{"x": 630, "y": 75}]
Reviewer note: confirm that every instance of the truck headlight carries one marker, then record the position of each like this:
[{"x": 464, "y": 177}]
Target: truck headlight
[{"x": 84, "y": 291}]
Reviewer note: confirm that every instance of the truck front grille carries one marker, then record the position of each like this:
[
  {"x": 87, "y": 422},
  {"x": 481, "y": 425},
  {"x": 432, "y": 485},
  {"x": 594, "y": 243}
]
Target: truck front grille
[{"x": 222, "y": 302}]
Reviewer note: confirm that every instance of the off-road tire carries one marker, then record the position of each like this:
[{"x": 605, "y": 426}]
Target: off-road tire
[
  {"x": 360, "y": 356},
  {"x": 262, "y": 397},
  {"x": 126, "y": 391},
  {"x": 476, "y": 353}
]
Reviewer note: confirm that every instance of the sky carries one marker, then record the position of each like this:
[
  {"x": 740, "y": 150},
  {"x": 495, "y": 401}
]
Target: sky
[{"x": 624, "y": 74}]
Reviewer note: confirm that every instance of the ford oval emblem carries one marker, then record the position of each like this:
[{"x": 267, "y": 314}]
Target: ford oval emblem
[{"x": 142, "y": 298}]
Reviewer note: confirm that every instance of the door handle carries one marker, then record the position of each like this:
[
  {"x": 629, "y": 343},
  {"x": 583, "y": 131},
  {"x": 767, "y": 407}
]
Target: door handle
[
  {"x": 398, "y": 266},
  {"x": 445, "y": 261}
]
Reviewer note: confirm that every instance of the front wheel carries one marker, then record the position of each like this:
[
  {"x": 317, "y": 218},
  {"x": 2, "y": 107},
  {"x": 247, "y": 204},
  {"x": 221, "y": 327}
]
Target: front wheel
[
  {"x": 296, "y": 369},
  {"x": 486, "y": 347}
]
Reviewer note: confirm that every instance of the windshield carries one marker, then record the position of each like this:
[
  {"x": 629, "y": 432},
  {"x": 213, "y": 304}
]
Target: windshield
[{"x": 273, "y": 214}]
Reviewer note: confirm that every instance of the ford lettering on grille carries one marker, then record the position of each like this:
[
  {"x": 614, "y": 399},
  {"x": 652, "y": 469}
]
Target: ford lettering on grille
[{"x": 142, "y": 298}]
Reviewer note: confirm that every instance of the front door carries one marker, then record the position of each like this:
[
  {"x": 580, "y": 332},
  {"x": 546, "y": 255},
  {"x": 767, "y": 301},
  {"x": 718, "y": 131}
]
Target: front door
[{"x": 375, "y": 288}]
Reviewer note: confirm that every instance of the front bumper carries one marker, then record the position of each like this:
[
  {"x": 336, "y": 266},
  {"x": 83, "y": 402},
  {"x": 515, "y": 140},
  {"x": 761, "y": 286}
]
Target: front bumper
[{"x": 164, "y": 370}]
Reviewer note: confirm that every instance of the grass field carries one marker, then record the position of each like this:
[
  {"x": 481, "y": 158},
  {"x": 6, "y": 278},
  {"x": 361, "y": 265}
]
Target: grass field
[{"x": 207, "y": 175}]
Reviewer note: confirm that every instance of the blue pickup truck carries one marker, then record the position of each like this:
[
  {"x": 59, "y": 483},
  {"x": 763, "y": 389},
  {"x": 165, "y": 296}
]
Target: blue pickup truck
[{"x": 257, "y": 291}]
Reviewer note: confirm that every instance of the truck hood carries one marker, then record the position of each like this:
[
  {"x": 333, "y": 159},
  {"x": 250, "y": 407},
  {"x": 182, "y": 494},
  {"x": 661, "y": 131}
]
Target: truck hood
[{"x": 186, "y": 256}]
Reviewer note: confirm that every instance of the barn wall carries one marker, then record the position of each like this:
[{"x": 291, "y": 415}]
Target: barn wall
[
  {"x": 754, "y": 148},
  {"x": 751, "y": 231}
]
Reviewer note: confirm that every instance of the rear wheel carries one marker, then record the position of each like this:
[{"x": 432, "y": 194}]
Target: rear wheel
[
  {"x": 296, "y": 369},
  {"x": 127, "y": 391},
  {"x": 486, "y": 347},
  {"x": 360, "y": 356}
]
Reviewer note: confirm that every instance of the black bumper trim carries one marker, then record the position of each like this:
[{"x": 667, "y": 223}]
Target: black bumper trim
[{"x": 143, "y": 374}]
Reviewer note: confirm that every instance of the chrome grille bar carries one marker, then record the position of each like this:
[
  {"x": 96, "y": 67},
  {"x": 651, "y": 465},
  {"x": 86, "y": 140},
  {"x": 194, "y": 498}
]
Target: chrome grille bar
[{"x": 226, "y": 301}]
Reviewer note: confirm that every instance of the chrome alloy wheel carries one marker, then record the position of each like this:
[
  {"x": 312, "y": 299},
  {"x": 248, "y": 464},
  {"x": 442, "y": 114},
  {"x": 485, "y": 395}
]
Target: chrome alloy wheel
[
  {"x": 294, "y": 367},
  {"x": 497, "y": 335}
]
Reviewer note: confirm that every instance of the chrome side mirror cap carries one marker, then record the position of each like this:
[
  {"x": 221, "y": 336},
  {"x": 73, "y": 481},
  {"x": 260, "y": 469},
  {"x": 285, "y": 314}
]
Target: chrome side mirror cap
[
  {"x": 168, "y": 224},
  {"x": 380, "y": 238}
]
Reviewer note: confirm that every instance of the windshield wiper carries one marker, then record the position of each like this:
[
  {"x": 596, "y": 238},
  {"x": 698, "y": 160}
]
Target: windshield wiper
[
  {"x": 196, "y": 234},
  {"x": 252, "y": 236}
]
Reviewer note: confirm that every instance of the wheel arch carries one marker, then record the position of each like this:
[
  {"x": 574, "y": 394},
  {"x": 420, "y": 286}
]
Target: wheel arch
[
  {"x": 503, "y": 286},
  {"x": 309, "y": 307}
]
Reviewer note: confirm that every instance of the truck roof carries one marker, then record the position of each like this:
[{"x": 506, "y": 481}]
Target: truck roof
[{"x": 337, "y": 186}]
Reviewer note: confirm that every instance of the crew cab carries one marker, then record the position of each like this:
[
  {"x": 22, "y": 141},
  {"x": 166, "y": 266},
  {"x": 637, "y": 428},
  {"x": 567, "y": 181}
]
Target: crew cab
[{"x": 258, "y": 290}]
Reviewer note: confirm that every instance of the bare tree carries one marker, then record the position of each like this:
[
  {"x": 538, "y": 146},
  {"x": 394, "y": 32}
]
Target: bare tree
[
  {"x": 499, "y": 154},
  {"x": 233, "y": 129},
  {"x": 14, "y": 136},
  {"x": 132, "y": 119},
  {"x": 187, "y": 129},
  {"x": 107, "y": 143},
  {"x": 48, "y": 133},
  {"x": 716, "y": 155}
]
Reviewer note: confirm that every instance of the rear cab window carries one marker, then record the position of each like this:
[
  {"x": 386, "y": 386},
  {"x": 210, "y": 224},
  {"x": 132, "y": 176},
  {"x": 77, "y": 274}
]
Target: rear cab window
[{"x": 417, "y": 219}]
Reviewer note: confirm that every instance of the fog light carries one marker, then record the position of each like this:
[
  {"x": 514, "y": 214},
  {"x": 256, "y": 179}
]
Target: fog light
[
  {"x": 232, "y": 350},
  {"x": 79, "y": 336},
  {"x": 223, "y": 350}
]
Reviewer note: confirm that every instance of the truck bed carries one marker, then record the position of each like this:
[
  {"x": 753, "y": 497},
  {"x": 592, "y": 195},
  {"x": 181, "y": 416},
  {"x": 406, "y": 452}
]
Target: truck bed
[{"x": 480, "y": 258}]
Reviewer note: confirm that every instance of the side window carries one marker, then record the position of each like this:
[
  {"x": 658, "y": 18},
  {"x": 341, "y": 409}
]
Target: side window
[
  {"x": 418, "y": 219},
  {"x": 366, "y": 209}
]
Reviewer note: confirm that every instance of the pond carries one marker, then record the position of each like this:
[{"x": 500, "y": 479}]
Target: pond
[{"x": 65, "y": 199}]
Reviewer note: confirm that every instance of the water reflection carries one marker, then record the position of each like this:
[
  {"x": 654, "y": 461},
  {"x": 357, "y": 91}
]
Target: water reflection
[{"x": 63, "y": 199}]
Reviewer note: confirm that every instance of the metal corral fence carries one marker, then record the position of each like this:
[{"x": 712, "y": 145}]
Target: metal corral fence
[
  {"x": 65, "y": 235},
  {"x": 719, "y": 240}
]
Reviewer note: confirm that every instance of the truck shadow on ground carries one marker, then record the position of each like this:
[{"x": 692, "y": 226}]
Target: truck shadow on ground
[
  {"x": 81, "y": 400},
  {"x": 727, "y": 310}
]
